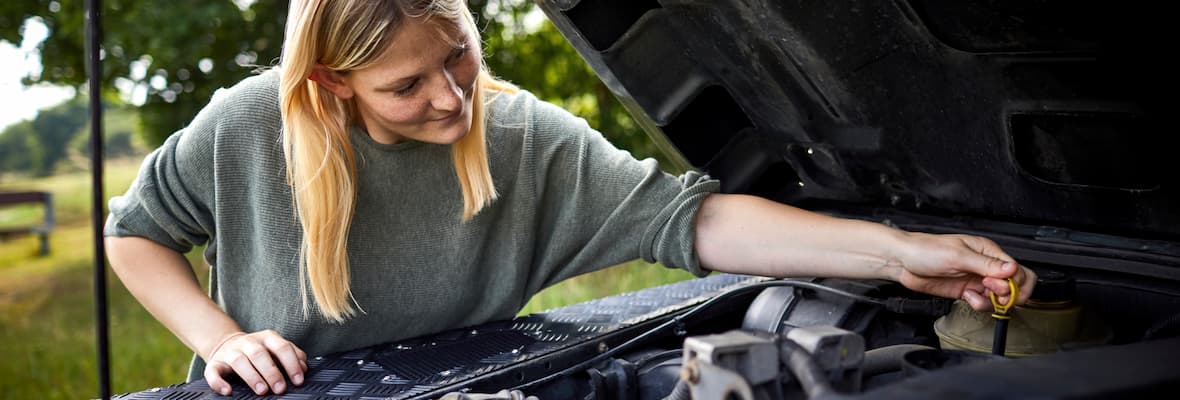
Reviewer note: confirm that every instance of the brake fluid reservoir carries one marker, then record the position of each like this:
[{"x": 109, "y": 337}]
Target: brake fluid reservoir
[{"x": 1051, "y": 321}]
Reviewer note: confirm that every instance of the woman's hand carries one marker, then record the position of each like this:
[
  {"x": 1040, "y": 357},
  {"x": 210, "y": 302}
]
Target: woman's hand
[
  {"x": 252, "y": 356},
  {"x": 163, "y": 281},
  {"x": 961, "y": 266}
]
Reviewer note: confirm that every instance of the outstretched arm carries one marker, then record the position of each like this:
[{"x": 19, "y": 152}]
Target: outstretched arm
[
  {"x": 163, "y": 281},
  {"x": 750, "y": 235}
]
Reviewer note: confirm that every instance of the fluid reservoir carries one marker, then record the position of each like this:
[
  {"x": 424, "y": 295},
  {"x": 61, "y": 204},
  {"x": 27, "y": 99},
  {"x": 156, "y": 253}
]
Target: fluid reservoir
[{"x": 1052, "y": 320}]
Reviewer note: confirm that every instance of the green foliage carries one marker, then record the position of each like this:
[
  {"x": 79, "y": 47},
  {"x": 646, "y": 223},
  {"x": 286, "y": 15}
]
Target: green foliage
[
  {"x": 173, "y": 40},
  {"x": 55, "y": 127},
  {"x": 61, "y": 132},
  {"x": 541, "y": 60},
  {"x": 35, "y": 147},
  {"x": 119, "y": 134},
  {"x": 15, "y": 154}
]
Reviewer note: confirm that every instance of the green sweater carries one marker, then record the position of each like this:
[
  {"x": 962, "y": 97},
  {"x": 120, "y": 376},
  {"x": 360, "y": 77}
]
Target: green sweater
[{"x": 570, "y": 203}]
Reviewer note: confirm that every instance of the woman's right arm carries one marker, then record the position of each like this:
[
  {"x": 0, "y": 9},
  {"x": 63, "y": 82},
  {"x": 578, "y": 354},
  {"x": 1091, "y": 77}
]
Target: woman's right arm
[{"x": 163, "y": 281}]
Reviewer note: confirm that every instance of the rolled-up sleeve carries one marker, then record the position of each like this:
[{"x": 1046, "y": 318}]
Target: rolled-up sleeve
[
  {"x": 170, "y": 200},
  {"x": 670, "y": 237}
]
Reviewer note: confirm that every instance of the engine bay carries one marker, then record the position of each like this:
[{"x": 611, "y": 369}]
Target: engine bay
[
  {"x": 739, "y": 337},
  {"x": 798, "y": 342}
]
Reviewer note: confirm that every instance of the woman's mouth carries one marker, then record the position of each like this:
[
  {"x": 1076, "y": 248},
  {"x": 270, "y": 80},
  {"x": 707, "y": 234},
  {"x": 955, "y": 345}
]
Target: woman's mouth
[{"x": 449, "y": 118}]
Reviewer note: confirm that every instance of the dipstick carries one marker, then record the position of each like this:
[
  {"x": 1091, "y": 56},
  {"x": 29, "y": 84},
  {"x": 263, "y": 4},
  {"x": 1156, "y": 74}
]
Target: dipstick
[{"x": 1000, "y": 339}]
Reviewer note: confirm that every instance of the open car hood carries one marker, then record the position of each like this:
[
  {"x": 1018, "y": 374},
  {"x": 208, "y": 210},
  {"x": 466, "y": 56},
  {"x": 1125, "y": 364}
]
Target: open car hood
[{"x": 1034, "y": 121}]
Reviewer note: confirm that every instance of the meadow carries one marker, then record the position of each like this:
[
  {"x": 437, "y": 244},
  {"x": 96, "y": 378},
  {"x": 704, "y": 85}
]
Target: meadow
[{"x": 47, "y": 335}]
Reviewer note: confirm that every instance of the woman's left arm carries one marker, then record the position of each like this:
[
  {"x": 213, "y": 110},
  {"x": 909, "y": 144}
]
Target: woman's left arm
[{"x": 750, "y": 235}]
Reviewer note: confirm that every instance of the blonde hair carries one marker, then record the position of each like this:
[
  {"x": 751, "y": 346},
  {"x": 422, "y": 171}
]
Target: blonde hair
[{"x": 346, "y": 35}]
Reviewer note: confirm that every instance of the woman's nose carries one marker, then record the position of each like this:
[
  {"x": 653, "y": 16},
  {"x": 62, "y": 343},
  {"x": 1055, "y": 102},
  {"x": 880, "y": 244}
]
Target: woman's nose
[{"x": 448, "y": 96}]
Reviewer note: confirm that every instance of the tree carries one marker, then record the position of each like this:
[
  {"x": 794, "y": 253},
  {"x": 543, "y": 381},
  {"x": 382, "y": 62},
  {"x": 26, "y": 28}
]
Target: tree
[
  {"x": 15, "y": 152},
  {"x": 119, "y": 133},
  {"x": 35, "y": 147},
  {"x": 541, "y": 60},
  {"x": 179, "y": 52}
]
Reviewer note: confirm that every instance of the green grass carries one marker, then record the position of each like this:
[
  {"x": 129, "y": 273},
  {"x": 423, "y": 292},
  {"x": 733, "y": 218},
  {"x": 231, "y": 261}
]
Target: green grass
[
  {"x": 622, "y": 278},
  {"x": 47, "y": 332}
]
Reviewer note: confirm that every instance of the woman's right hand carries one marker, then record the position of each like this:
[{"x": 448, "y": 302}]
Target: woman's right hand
[
  {"x": 252, "y": 357},
  {"x": 163, "y": 281}
]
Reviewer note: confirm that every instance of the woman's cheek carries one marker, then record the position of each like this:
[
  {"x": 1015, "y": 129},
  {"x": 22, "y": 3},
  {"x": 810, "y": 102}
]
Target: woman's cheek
[{"x": 408, "y": 112}]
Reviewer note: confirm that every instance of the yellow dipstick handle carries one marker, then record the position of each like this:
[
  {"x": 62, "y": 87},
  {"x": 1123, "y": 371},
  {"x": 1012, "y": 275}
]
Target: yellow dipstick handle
[
  {"x": 1002, "y": 309},
  {"x": 1000, "y": 338}
]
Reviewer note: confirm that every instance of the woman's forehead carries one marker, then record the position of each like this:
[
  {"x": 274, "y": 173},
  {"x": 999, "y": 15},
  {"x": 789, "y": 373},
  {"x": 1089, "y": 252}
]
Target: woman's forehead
[
  {"x": 417, "y": 33},
  {"x": 418, "y": 41}
]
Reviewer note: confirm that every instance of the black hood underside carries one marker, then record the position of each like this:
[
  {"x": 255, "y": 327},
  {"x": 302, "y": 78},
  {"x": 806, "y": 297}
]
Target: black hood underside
[{"x": 1044, "y": 113}]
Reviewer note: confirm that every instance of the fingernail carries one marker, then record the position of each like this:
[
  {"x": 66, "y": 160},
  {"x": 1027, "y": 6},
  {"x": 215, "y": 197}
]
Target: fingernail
[
  {"x": 225, "y": 391},
  {"x": 279, "y": 387},
  {"x": 260, "y": 388},
  {"x": 297, "y": 379}
]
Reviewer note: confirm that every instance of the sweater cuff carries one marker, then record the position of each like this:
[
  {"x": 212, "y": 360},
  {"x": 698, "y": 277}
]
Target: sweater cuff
[{"x": 670, "y": 238}]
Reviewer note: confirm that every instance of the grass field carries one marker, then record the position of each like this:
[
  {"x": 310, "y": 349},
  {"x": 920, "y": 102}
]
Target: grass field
[{"x": 47, "y": 332}]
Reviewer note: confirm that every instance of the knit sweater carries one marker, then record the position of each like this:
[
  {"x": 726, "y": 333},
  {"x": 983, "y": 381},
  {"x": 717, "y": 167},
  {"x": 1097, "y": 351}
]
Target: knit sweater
[{"x": 570, "y": 203}]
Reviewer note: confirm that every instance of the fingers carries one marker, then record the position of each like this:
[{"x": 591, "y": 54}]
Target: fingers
[
  {"x": 288, "y": 356},
  {"x": 262, "y": 360},
  {"x": 986, "y": 247},
  {"x": 214, "y": 372},
  {"x": 977, "y": 301},
  {"x": 1026, "y": 281},
  {"x": 984, "y": 258},
  {"x": 252, "y": 357},
  {"x": 245, "y": 368},
  {"x": 997, "y": 266}
]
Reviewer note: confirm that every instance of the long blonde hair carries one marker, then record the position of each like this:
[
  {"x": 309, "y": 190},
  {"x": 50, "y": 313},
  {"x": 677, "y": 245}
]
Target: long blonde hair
[{"x": 346, "y": 35}]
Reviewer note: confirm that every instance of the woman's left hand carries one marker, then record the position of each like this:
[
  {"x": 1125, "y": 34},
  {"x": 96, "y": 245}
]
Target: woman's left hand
[{"x": 961, "y": 266}]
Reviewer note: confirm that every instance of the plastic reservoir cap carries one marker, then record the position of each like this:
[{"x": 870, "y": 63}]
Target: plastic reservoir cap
[{"x": 1054, "y": 287}]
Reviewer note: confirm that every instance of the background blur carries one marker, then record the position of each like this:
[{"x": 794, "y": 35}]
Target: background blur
[{"x": 161, "y": 62}]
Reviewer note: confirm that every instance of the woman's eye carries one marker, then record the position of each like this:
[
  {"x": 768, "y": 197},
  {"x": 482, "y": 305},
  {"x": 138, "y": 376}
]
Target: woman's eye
[
  {"x": 457, "y": 54},
  {"x": 407, "y": 89}
]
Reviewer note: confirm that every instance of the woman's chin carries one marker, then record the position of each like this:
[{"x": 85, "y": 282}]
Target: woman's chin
[{"x": 455, "y": 132}]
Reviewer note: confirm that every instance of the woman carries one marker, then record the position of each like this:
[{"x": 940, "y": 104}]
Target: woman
[{"x": 380, "y": 185}]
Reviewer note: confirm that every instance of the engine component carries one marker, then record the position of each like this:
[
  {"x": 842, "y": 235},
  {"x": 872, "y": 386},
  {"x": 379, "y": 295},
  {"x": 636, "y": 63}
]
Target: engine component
[
  {"x": 780, "y": 309},
  {"x": 1000, "y": 338},
  {"x": 919, "y": 362},
  {"x": 838, "y": 352},
  {"x": 748, "y": 366},
  {"x": 1051, "y": 321},
  {"x": 733, "y": 363},
  {"x": 501, "y": 395}
]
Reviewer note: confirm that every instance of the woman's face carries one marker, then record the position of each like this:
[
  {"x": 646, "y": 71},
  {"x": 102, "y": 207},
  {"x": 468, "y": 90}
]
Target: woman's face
[{"x": 421, "y": 88}]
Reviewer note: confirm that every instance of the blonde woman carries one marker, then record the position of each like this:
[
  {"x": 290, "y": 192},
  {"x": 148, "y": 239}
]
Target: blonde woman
[{"x": 380, "y": 184}]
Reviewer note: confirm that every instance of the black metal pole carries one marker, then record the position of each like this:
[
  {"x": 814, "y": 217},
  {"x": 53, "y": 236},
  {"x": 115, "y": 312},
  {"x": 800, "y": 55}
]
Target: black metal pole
[{"x": 93, "y": 44}]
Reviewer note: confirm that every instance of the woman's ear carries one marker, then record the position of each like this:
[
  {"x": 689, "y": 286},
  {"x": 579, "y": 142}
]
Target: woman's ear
[{"x": 332, "y": 81}]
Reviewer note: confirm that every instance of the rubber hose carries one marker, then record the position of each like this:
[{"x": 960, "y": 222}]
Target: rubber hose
[
  {"x": 807, "y": 372},
  {"x": 887, "y": 359},
  {"x": 680, "y": 392}
]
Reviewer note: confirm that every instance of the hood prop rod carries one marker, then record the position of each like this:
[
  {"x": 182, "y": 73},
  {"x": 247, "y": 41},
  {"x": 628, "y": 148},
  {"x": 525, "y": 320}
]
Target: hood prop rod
[{"x": 94, "y": 83}]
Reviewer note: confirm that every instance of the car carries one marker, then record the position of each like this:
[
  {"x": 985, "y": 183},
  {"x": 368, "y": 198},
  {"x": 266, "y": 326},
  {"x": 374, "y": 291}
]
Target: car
[{"x": 1038, "y": 124}]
